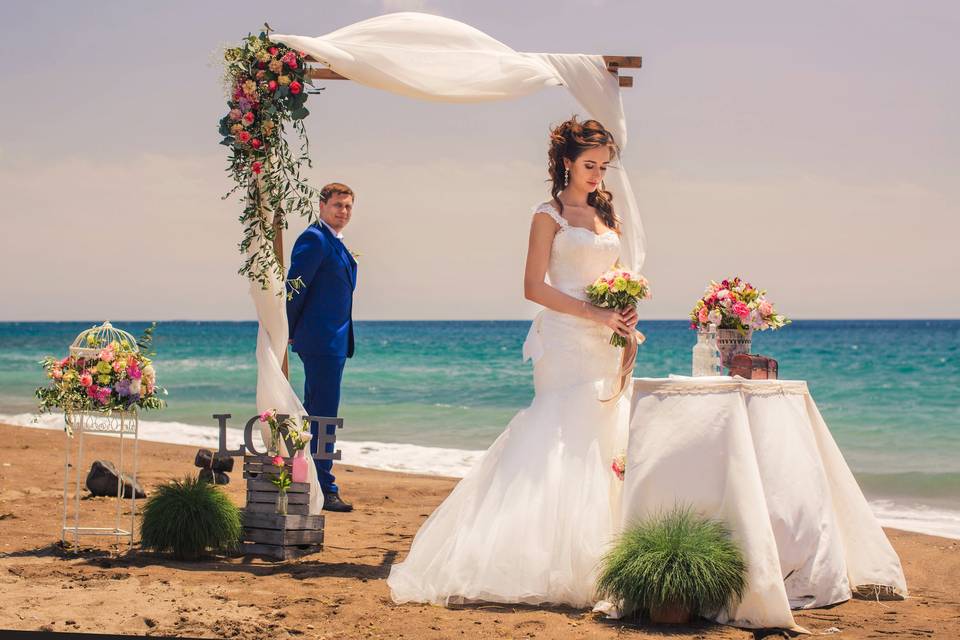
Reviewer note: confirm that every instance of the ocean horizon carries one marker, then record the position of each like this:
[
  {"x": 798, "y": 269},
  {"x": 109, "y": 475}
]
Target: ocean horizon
[{"x": 429, "y": 396}]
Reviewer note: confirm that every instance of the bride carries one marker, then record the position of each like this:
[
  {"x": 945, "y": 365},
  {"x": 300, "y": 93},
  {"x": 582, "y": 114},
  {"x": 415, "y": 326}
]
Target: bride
[{"x": 531, "y": 521}]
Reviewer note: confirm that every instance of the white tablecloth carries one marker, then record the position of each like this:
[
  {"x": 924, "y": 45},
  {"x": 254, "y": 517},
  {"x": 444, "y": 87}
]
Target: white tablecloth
[{"x": 757, "y": 455}]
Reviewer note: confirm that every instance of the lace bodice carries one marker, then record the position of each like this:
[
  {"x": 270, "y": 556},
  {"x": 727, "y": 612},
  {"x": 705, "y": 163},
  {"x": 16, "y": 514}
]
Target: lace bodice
[{"x": 578, "y": 256}]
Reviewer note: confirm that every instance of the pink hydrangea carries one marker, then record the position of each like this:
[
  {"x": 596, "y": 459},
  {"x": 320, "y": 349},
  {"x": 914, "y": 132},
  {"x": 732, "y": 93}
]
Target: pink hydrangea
[{"x": 133, "y": 371}]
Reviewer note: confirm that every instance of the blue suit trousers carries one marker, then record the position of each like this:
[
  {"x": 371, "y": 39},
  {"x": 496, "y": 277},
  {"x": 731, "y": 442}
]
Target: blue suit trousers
[{"x": 321, "y": 397}]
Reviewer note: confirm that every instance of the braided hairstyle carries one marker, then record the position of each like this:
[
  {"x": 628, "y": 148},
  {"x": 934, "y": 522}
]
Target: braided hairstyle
[{"x": 570, "y": 139}]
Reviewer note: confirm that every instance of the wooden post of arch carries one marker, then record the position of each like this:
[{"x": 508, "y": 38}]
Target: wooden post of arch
[{"x": 614, "y": 64}]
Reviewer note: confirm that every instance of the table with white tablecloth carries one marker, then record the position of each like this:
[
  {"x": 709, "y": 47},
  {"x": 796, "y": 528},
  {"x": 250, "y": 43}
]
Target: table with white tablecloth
[{"x": 757, "y": 455}]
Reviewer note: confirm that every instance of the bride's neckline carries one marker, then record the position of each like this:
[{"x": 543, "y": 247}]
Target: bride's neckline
[{"x": 567, "y": 224}]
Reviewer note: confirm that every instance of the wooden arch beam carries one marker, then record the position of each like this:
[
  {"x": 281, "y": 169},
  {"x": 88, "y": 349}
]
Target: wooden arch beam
[{"x": 614, "y": 64}]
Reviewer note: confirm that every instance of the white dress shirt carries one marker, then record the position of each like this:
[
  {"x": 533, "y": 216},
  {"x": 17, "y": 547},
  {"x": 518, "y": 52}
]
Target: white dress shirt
[{"x": 338, "y": 234}]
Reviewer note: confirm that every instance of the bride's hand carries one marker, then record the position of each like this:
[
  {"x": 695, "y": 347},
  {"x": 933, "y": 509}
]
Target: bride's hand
[
  {"x": 630, "y": 316},
  {"x": 614, "y": 319}
]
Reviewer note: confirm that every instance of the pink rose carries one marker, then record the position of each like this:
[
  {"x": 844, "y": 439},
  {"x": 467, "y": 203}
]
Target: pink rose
[
  {"x": 277, "y": 461},
  {"x": 295, "y": 87},
  {"x": 766, "y": 308},
  {"x": 266, "y": 415},
  {"x": 248, "y": 117},
  {"x": 65, "y": 362},
  {"x": 272, "y": 85},
  {"x": 107, "y": 354},
  {"x": 702, "y": 315},
  {"x": 290, "y": 59},
  {"x": 57, "y": 373},
  {"x": 244, "y": 136},
  {"x": 86, "y": 379},
  {"x": 257, "y": 167},
  {"x": 741, "y": 310}
]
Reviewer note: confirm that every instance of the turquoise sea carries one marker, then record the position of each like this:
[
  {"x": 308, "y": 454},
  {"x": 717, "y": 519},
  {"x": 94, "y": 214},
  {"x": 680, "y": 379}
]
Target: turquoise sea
[{"x": 889, "y": 390}]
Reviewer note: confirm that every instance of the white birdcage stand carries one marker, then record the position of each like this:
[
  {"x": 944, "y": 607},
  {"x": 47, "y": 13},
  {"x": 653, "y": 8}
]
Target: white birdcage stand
[{"x": 122, "y": 424}]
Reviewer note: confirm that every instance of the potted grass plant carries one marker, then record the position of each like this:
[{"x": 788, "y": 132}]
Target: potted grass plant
[
  {"x": 673, "y": 567},
  {"x": 188, "y": 517}
]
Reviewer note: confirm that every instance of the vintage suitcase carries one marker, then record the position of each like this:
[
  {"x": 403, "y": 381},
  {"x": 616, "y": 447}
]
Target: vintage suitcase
[{"x": 753, "y": 367}]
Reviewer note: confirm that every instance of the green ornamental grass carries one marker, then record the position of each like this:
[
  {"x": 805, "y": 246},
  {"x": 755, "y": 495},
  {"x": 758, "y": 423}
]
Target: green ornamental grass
[
  {"x": 676, "y": 559},
  {"x": 187, "y": 517}
]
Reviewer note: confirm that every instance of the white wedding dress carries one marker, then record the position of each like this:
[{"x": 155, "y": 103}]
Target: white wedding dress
[{"x": 531, "y": 521}]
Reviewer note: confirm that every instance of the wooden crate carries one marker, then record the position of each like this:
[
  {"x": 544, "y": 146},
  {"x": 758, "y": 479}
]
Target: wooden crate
[
  {"x": 267, "y": 533},
  {"x": 281, "y": 537}
]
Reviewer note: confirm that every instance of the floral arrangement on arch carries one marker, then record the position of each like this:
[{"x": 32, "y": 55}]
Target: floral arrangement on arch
[
  {"x": 120, "y": 377},
  {"x": 266, "y": 86},
  {"x": 736, "y": 304}
]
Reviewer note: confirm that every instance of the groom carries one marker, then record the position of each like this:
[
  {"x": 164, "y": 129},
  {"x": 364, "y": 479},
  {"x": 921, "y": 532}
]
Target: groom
[{"x": 320, "y": 321}]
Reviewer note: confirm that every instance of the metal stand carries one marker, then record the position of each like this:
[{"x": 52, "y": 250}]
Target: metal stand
[{"x": 122, "y": 423}]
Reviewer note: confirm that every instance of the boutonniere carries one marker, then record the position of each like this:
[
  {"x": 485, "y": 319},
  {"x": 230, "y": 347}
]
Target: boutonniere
[{"x": 356, "y": 255}]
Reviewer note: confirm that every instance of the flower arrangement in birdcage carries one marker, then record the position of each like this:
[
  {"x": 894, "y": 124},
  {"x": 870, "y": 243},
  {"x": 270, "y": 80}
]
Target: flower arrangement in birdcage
[
  {"x": 106, "y": 370},
  {"x": 267, "y": 88}
]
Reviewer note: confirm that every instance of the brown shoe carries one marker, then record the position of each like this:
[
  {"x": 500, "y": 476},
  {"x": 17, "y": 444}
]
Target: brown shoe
[{"x": 332, "y": 502}]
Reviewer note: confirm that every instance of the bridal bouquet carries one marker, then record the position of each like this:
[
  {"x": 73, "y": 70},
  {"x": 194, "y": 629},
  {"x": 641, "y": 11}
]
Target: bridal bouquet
[
  {"x": 736, "y": 304},
  {"x": 618, "y": 289},
  {"x": 116, "y": 378}
]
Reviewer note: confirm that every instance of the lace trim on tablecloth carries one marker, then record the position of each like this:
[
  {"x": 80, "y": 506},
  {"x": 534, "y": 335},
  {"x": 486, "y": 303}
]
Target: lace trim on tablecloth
[{"x": 747, "y": 387}]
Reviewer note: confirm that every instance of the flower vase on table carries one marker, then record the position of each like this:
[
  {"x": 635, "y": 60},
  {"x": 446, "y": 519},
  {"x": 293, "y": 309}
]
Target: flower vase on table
[
  {"x": 738, "y": 309},
  {"x": 731, "y": 342}
]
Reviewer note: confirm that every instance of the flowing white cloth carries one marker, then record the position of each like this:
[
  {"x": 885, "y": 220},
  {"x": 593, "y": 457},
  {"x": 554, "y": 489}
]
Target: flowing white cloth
[
  {"x": 531, "y": 520},
  {"x": 434, "y": 58},
  {"x": 273, "y": 388},
  {"x": 758, "y": 455}
]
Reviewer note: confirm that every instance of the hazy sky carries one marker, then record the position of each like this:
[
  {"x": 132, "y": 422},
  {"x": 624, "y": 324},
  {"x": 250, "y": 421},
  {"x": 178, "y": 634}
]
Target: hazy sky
[{"x": 812, "y": 147}]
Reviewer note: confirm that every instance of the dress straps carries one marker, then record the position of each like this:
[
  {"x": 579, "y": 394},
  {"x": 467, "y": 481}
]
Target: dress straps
[{"x": 551, "y": 210}]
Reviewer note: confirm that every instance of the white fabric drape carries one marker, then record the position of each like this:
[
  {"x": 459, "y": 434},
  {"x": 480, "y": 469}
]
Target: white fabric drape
[
  {"x": 273, "y": 388},
  {"x": 434, "y": 58}
]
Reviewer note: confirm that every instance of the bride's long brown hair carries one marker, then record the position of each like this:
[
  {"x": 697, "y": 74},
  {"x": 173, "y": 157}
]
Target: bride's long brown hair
[{"x": 570, "y": 139}]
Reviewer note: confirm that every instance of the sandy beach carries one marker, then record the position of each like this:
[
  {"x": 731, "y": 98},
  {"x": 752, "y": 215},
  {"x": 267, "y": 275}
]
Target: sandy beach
[{"x": 340, "y": 592}]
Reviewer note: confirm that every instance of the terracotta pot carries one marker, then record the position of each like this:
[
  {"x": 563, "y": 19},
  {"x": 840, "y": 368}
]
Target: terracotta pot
[
  {"x": 671, "y": 614},
  {"x": 731, "y": 342}
]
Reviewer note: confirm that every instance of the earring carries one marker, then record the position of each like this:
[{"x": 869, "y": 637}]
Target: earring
[{"x": 566, "y": 177}]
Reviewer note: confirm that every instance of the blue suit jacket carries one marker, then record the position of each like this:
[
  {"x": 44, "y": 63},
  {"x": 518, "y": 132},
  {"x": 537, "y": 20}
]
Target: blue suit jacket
[{"x": 320, "y": 315}]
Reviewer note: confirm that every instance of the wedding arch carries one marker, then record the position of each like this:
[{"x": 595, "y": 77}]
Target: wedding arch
[{"x": 418, "y": 55}]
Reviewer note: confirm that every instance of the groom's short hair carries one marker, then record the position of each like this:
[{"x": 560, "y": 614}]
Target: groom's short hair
[{"x": 335, "y": 188}]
